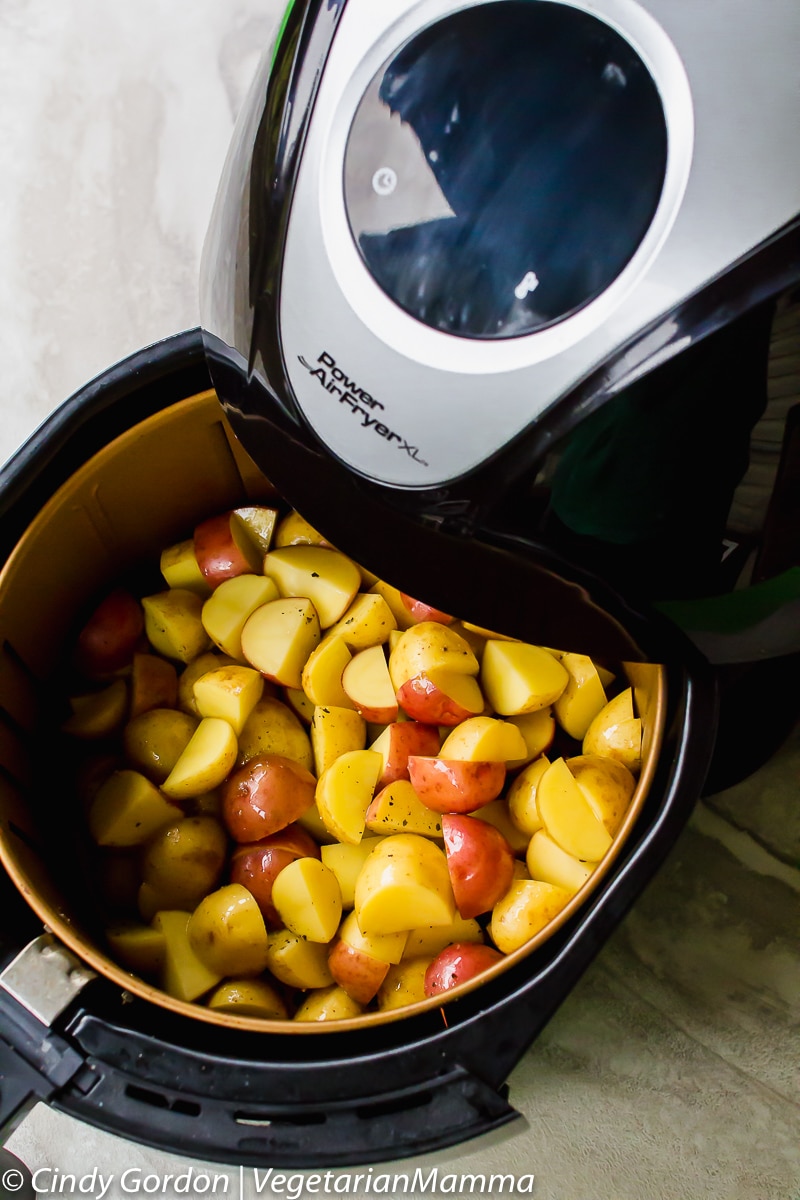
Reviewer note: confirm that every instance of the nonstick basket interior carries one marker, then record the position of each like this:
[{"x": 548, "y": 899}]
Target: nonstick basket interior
[{"x": 108, "y": 524}]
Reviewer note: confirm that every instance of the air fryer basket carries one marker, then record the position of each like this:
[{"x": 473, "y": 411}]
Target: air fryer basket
[{"x": 134, "y": 1060}]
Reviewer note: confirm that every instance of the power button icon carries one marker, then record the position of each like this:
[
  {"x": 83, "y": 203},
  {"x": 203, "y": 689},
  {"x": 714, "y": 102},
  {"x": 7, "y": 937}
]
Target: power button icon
[{"x": 384, "y": 181}]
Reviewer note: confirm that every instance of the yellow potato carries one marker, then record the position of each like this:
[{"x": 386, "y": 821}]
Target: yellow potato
[
  {"x": 519, "y": 678},
  {"x": 398, "y": 809},
  {"x": 428, "y": 647},
  {"x": 307, "y": 897},
  {"x": 606, "y": 784},
  {"x": 568, "y": 817},
  {"x": 326, "y": 577},
  {"x": 484, "y": 739},
  {"x": 538, "y": 730},
  {"x": 328, "y": 1004},
  {"x": 322, "y": 673},
  {"x": 385, "y": 947},
  {"x": 394, "y": 602},
  {"x": 154, "y": 741},
  {"x": 496, "y": 813},
  {"x": 297, "y": 962},
  {"x": 230, "y": 693},
  {"x": 98, "y": 714},
  {"x": 346, "y": 862},
  {"x": 272, "y": 728},
  {"x": 206, "y": 761},
  {"x": 248, "y": 998},
  {"x": 228, "y": 608},
  {"x": 140, "y": 948},
  {"x": 173, "y": 625},
  {"x": 313, "y": 823},
  {"x": 227, "y": 932},
  {"x": 300, "y": 704},
  {"x": 192, "y": 672},
  {"x": 294, "y": 530},
  {"x": 180, "y": 569},
  {"x": 335, "y": 731},
  {"x": 128, "y": 809},
  {"x": 616, "y": 733},
  {"x": 521, "y": 798},
  {"x": 403, "y": 884},
  {"x": 548, "y": 863},
  {"x": 278, "y": 638},
  {"x": 260, "y": 522},
  {"x": 430, "y": 939},
  {"x": 404, "y": 984},
  {"x": 344, "y": 793},
  {"x": 183, "y": 862},
  {"x": 583, "y": 697},
  {"x": 185, "y": 975},
  {"x": 367, "y": 622},
  {"x": 526, "y": 908}
]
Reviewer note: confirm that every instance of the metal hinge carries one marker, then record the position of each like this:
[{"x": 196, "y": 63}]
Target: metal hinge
[{"x": 45, "y": 977}]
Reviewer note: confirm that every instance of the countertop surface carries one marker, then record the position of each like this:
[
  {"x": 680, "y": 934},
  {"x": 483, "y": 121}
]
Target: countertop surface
[{"x": 673, "y": 1069}]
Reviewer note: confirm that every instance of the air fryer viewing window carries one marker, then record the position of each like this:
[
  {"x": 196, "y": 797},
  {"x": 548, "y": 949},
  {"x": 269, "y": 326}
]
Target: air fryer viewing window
[{"x": 504, "y": 166}]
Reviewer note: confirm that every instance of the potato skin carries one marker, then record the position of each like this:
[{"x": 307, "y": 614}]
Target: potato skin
[
  {"x": 458, "y": 963},
  {"x": 264, "y": 796}
]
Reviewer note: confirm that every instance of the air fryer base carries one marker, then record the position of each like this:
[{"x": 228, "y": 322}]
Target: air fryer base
[{"x": 384, "y": 1092}]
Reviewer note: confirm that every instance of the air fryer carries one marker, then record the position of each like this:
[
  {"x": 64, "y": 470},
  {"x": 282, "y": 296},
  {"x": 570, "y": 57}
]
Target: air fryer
[{"x": 526, "y": 382}]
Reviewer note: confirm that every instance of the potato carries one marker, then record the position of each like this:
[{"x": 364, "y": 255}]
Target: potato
[
  {"x": 140, "y": 948},
  {"x": 568, "y": 817},
  {"x": 496, "y": 813},
  {"x": 458, "y": 964},
  {"x": 110, "y": 636},
  {"x": 367, "y": 622},
  {"x": 260, "y": 521},
  {"x": 326, "y": 577},
  {"x": 335, "y": 731},
  {"x": 226, "y": 611},
  {"x": 224, "y": 549},
  {"x": 184, "y": 861},
  {"x": 527, "y": 907},
  {"x": 205, "y": 762},
  {"x": 230, "y": 693},
  {"x": 278, "y": 637},
  {"x": 248, "y": 998},
  {"x": 521, "y": 798},
  {"x": 265, "y": 795},
  {"x": 428, "y": 647},
  {"x": 397, "y": 809},
  {"x": 192, "y": 672},
  {"x": 321, "y": 678},
  {"x": 357, "y": 972},
  {"x": 227, "y": 932},
  {"x": 154, "y": 684},
  {"x": 616, "y": 733},
  {"x": 519, "y": 678},
  {"x": 368, "y": 686},
  {"x": 294, "y": 530},
  {"x": 256, "y": 865},
  {"x": 427, "y": 941},
  {"x": 307, "y": 898},
  {"x": 272, "y": 728},
  {"x": 385, "y": 947},
  {"x": 128, "y": 809},
  {"x": 606, "y": 784},
  {"x": 180, "y": 568},
  {"x": 480, "y": 862},
  {"x": 297, "y": 962},
  {"x": 346, "y": 861},
  {"x": 394, "y": 602},
  {"x": 455, "y": 785},
  {"x": 538, "y": 730},
  {"x": 404, "y": 984},
  {"x": 583, "y": 697},
  {"x": 484, "y": 739},
  {"x": 440, "y": 697},
  {"x": 185, "y": 976},
  {"x": 404, "y": 883},
  {"x": 398, "y": 741},
  {"x": 98, "y": 714},
  {"x": 328, "y": 1004},
  {"x": 173, "y": 626},
  {"x": 548, "y": 863},
  {"x": 154, "y": 741},
  {"x": 344, "y": 793}
]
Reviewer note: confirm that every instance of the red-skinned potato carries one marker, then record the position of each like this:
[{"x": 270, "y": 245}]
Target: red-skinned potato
[
  {"x": 455, "y": 785},
  {"x": 264, "y": 796},
  {"x": 109, "y": 638},
  {"x": 458, "y": 963},
  {"x": 357, "y": 972},
  {"x": 223, "y": 549},
  {"x": 480, "y": 862},
  {"x": 424, "y": 612},
  {"x": 154, "y": 684},
  {"x": 255, "y": 865},
  {"x": 400, "y": 740},
  {"x": 439, "y": 697}
]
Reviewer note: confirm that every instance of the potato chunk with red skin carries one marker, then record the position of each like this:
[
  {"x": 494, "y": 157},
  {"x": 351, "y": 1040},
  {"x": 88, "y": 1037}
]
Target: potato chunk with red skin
[
  {"x": 455, "y": 785},
  {"x": 111, "y": 634},
  {"x": 458, "y": 964},
  {"x": 256, "y": 865},
  {"x": 266, "y": 794},
  {"x": 480, "y": 862}
]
